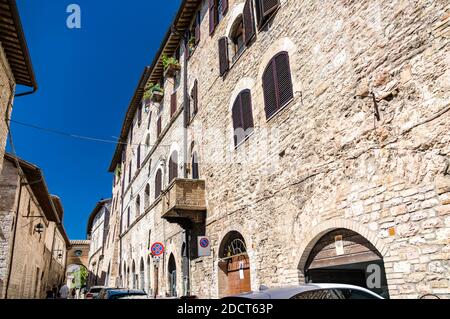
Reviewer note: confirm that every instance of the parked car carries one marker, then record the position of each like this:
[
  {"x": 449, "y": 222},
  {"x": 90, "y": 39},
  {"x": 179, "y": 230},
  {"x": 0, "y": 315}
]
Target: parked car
[
  {"x": 311, "y": 291},
  {"x": 93, "y": 292},
  {"x": 121, "y": 293}
]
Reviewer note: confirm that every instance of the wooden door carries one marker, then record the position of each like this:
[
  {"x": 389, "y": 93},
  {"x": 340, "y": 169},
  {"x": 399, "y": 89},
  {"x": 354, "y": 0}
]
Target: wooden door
[{"x": 238, "y": 273}]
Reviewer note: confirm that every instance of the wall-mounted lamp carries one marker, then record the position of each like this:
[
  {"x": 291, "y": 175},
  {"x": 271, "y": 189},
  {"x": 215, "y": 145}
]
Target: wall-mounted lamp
[{"x": 39, "y": 228}]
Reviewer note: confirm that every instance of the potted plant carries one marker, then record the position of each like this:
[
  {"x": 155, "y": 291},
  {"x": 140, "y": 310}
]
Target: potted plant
[
  {"x": 171, "y": 66},
  {"x": 191, "y": 44},
  {"x": 156, "y": 92}
]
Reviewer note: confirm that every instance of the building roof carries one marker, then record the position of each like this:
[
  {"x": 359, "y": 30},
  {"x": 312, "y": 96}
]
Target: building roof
[
  {"x": 94, "y": 213},
  {"x": 155, "y": 72},
  {"x": 80, "y": 242},
  {"x": 60, "y": 211},
  {"x": 36, "y": 181},
  {"x": 13, "y": 41}
]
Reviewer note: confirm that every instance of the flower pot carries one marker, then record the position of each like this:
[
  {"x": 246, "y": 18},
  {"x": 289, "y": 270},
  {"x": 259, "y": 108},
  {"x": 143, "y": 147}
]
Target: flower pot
[
  {"x": 157, "y": 96},
  {"x": 172, "y": 70}
]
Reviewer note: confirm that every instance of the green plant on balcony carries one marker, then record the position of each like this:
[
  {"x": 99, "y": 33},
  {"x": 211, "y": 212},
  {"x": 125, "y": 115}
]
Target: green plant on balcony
[
  {"x": 171, "y": 65},
  {"x": 153, "y": 92}
]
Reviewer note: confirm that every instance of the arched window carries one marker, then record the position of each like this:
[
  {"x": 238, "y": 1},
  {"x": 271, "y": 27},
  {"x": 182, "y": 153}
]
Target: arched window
[
  {"x": 147, "y": 196},
  {"x": 237, "y": 38},
  {"x": 277, "y": 84},
  {"x": 138, "y": 206},
  {"x": 242, "y": 117},
  {"x": 141, "y": 275},
  {"x": 158, "y": 183},
  {"x": 147, "y": 144},
  {"x": 173, "y": 166},
  {"x": 195, "y": 171}
]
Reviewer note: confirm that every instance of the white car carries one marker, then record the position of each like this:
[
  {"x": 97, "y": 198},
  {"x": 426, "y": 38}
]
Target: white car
[
  {"x": 93, "y": 292},
  {"x": 311, "y": 291}
]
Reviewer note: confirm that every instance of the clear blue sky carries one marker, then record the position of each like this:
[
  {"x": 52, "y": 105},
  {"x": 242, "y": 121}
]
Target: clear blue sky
[{"x": 86, "y": 79}]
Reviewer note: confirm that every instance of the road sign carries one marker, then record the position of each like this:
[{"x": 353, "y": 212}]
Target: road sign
[
  {"x": 204, "y": 246},
  {"x": 157, "y": 249}
]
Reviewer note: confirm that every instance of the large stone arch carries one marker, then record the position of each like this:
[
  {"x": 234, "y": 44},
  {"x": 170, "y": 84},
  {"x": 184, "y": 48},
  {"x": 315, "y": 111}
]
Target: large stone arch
[{"x": 310, "y": 238}]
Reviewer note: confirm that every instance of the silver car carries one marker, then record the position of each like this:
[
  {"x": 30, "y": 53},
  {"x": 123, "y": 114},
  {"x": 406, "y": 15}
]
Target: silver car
[{"x": 311, "y": 291}]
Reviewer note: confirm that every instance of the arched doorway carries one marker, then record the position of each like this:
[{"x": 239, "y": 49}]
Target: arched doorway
[
  {"x": 142, "y": 275},
  {"x": 345, "y": 257},
  {"x": 133, "y": 275},
  {"x": 234, "y": 265},
  {"x": 172, "y": 272}
]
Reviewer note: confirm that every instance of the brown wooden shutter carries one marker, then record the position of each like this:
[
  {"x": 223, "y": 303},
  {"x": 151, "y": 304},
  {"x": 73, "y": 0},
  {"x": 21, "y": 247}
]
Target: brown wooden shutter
[
  {"x": 195, "y": 172},
  {"x": 284, "y": 79},
  {"x": 236, "y": 113},
  {"x": 139, "y": 156},
  {"x": 195, "y": 96},
  {"x": 173, "y": 104},
  {"x": 223, "y": 55},
  {"x": 158, "y": 184},
  {"x": 198, "y": 25},
  {"x": 249, "y": 22},
  {"x": 212, "y": 16},
  {"x": 140, "y": 114},
  {"x": 270, "y": 92},
  {"x": 246, "y": 110},
  {"x": 224, "y": 7},
  {"x": 149, "y": 120},
  {"x": 264, "y": 8},
  {"x": 158, "y": 127},
  {"x": 173, "y": 166}
]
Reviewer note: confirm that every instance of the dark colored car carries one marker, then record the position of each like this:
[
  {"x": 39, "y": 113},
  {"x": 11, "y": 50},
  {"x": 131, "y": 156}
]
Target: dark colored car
[
  {"x": 311, "y": 291},
  {"x": 121, "y": 293}
]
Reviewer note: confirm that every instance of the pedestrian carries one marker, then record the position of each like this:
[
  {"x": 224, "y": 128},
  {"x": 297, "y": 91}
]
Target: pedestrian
[
  {"x": 64, "y": 292},
  {"x": 73, "y": 293}
]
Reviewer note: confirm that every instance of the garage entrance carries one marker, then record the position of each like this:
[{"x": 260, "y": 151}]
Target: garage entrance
[
  {"x": 234, "y": 265},
  {"x": 344, "y": 256}
]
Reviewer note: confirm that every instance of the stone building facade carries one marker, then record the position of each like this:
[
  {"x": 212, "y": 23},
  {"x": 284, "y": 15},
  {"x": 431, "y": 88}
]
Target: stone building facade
[
  {"x": 15, "y": 66},
  {"x": 100, "y": 250},
  {"x": 342, "y": 168},
  {"x": 33, "y": 240}
]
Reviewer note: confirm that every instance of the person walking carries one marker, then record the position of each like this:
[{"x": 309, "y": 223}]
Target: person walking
[{"x": 64, "y": 292}]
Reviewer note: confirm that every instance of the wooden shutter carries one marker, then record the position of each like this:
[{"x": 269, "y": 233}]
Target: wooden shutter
[
  {"x": 264, "y": 8},
  {"x": 149, "y": 120},
  {"x": 173, "y": 104},
  {"x": 246, "y": 111},
  {"x": 140, "y": 114},
  {"x": 129, "y": 172},
  {"x": 284, "y": 80},
  {"x": 195, "y": 173},
  {"x": 198, "y": 24},
  {"x": 249, "y": 22},
  {"x": 277, "y": 82},
  {"x": 224, "y": 7},
  {"x": 223, "y": 55},
  {"x": 139, "y": 156},
  {"x": 237, "y": 120},
  {"x": 212, "y": 16},
  {"x": 270, "y": 92},
  {"x": 158, "y": 127},
  {"x": 173, "y": 166},
  {"x": 158, "y": 184},
  {"x": 195, "y": 96}
]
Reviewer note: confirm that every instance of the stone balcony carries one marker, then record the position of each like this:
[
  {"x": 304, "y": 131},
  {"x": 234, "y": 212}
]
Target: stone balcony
[{"x": 183, "y": 202}]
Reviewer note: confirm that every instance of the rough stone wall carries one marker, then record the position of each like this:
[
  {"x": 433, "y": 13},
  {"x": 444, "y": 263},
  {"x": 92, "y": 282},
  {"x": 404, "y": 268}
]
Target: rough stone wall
[
  {"x": 146, "y": 227},
  {"x": 332, "y": 165},
  {"x": 6, "y": 92},
  {"x": 8, "y": 194}
]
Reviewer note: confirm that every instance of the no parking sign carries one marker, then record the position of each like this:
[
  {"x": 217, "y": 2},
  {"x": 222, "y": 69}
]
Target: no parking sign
[
  {"x": 157, "y": 249},
  {"x": 204, "y": 246}
]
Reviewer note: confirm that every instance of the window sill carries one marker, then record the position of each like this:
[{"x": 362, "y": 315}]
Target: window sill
[{"x": 286, "y": 106}]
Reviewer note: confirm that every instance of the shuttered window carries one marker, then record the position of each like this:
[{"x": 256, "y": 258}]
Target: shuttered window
[
  {"x": 173, "y": 104},
  {"x": 129, "y": 172},
  {"x": 158, "y": 127},
  {"x": 173, "y": 166},
  {"x": 242, "y": 117},
  {"x": 265, "y": 9},
  {"x": 195, "y": 172},
  {"x": 249, "y": 22},
  {"x": 138, "y": 156},
  {"x": 223, "y": 55},
  {"x": 158, "y": 183},
  {"x": 277, "y": 84},
  {"x": 140, "y": 114},
  {"x": 195, "y": 98},
  {"x": 149, "y": 120},
  {"x": 217, "y": 10},
  {"x": 198, "y": 25}
]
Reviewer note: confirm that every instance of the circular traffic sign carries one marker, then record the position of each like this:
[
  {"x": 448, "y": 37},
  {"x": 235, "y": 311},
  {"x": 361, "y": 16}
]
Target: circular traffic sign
[
  {"x": 204, "y": 242},
  {"x": 157, "y": 249}
]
